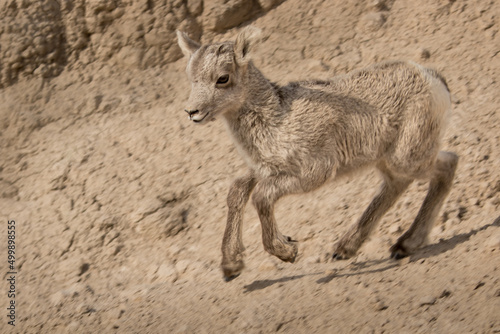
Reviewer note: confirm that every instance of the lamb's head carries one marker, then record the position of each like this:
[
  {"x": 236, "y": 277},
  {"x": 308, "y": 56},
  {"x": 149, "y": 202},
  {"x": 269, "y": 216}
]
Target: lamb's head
[{"x": 218, "y": 74}]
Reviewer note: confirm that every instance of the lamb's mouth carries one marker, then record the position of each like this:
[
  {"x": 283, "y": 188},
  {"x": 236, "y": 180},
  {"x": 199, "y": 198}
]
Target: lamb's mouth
[{"x": 196, "y": 120}]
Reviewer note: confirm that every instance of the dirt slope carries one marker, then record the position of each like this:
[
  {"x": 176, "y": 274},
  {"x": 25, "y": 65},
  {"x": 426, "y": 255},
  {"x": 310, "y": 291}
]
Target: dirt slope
[{"x": 119, "y": 200}]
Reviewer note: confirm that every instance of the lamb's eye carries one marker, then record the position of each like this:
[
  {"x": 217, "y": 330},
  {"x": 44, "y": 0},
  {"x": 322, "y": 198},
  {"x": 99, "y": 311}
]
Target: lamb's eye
[{"x": 223, "y": 79}]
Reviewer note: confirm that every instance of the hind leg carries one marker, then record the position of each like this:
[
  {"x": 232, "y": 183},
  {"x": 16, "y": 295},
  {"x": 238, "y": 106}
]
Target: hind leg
[
  {"x": 390, "y": 191},
  {"x": 439, "y": 187}
]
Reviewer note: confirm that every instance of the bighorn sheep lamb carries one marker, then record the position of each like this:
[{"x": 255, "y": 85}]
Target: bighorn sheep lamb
[{"x": 295, "y": 137}]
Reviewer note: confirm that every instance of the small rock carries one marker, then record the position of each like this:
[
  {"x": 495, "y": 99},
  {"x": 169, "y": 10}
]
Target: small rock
[
  {"x": 195, "y": 7},
  {"x": 312, "y": 259},
  {"x": 112, "y": 251},
  {"x": 316, "y": 65},
  {"x": 427, "y": 300},
  {"x": 268, "y": 4},
  {"x": 445, "y": 293},
  {"x": 167, "y": 272},
  {"x": 118, "y": 312},
  {"x": 494, "y": 241},
  {"x": 437, "y": 231},
  {"x": 85, "y": 308},
  {"x": 455, "y": 99},
  {"x": 378, "y": 4},
  {"x": 83, "y": 268},
  {"x": 474, "y": 201},
  {"x": 451, "y": 223},
  {"x": 380, "y": 306},
  {"x": 395, "y": 228},
  {"x": 57, "y": 299},
  {"x": 181, "y": 266},
  {"x": 490, "y": 205},
  {"x": 479, "y": 284},
  {"x": 218, "y": 17},
  {"x": 373, "y": 21},
  {"x": 146, "y": 207},
  {"x": 424, "y": 53},
  {"x": 73, "y": 326},
  {"x": 267, "y": 265},
  {"x": 331, "y": 272},
  {"x": 312, "y": 12}
]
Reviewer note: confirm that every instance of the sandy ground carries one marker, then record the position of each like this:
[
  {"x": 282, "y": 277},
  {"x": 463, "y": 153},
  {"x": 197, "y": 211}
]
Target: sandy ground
[{"x": 119, "y": 200}]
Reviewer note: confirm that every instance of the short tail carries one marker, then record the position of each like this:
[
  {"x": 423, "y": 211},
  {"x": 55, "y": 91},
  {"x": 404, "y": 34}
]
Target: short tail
[{"x": 438, "y": 76}]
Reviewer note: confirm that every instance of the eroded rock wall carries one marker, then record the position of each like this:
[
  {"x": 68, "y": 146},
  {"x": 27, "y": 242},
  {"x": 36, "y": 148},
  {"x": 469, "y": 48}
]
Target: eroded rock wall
[{"x": 41, "y": 38}]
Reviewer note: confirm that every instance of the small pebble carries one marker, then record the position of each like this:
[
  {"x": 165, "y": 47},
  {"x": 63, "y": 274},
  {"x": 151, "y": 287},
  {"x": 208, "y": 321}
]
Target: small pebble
[
  {"x": 380, "y": 305},
  {"x": 73, "y": 326},
  {"x": 331, "y": 272},
  {"x": 427, "y": 300},
  {"x": 312, "y": 259},
  {"x": 395, "y": 228},
  {"x": 494, "y": 241},
  {"x": 424, "y": 53},
  {"x": 267, "y": 265},
  {"x": 83, "y": 268},
  {"x": 445, "y": 293},
  {"x": 478, "y": 285},
  {"x": 167, "y": 272}
]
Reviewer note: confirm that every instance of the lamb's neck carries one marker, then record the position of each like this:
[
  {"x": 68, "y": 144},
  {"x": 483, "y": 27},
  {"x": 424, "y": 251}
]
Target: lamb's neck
[
  {"x": 261, "y": 102},
  {"x": 257, "y": 122}
]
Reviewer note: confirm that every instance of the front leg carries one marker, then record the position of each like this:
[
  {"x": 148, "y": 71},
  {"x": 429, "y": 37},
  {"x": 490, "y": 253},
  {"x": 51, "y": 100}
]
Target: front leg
[
  {"x": 232, "y": 244},
  {"x": 267, "y": 192}
]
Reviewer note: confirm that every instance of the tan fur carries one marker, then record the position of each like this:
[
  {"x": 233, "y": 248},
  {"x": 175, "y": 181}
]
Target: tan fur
[{"x": 296, "y": 137}]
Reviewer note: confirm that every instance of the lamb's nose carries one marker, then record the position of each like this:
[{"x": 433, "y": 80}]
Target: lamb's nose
[{"x": 192, "y": 112}]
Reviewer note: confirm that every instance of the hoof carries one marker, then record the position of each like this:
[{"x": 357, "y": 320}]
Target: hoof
[
  {"x": 232, "y": 270},
  {"x": 342, "y": 253},
  {"x": 339, "y": 257},
  {"x": 292, "y": 260},
  {"x": 285, "y": 251},
  {"x": 398, "y": 252},
  {"x": 230, "y": 278},
  {"x": 290, "y": 257}
]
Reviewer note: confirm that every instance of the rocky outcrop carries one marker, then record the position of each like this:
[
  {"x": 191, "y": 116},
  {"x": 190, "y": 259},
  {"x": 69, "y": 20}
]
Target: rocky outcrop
[{"x": 41, "y": 38}]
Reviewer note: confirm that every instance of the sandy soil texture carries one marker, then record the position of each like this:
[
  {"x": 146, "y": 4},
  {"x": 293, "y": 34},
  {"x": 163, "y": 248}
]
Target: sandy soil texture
[{"x": 119, "y": 201}]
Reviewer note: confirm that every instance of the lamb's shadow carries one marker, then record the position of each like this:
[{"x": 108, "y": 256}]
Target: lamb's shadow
[
  {"x": 431, "y": 250},
  {"x": 262, "y": 284},
  {"x": 375, "y": 266},
  {"x": 361, "y": 268},
  {"x": 445, "y": 245},
  {"x": 356, "y": 268}
]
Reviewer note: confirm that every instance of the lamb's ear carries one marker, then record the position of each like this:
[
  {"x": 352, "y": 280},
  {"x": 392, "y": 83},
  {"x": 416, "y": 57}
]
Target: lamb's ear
[
  {"x": 187, "y": 45},
  {"x": 244, "y": 43}
]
